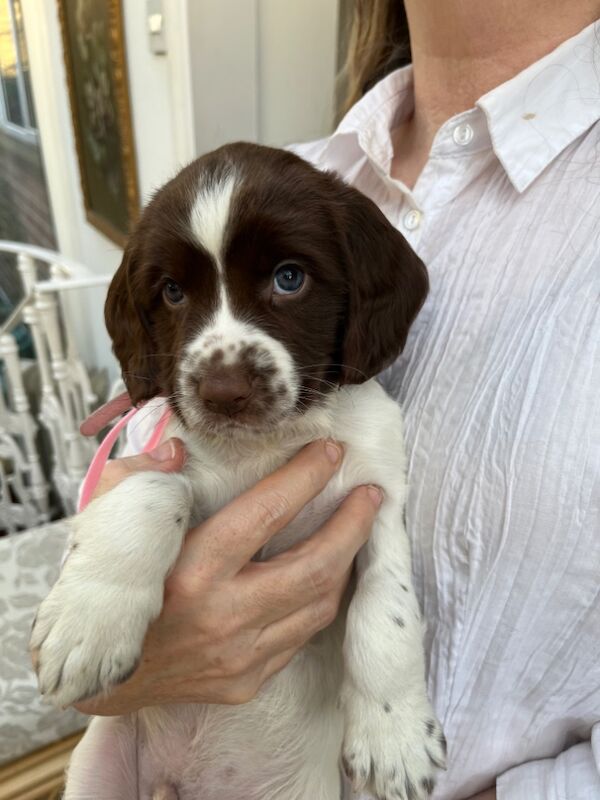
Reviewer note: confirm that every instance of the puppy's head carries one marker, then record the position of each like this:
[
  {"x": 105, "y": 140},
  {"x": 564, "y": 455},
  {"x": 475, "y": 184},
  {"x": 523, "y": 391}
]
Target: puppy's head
[{"x": 254, "y": 285}]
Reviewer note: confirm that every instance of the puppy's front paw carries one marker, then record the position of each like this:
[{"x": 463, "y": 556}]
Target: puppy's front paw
[
  {"x": 88, "y": 635},
  {"x": 89, "y": 631},
  {"x": 392, "y": 749}
]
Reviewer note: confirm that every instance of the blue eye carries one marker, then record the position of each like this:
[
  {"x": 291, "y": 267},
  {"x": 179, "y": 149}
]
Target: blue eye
[{"x": 288, "y": 278}]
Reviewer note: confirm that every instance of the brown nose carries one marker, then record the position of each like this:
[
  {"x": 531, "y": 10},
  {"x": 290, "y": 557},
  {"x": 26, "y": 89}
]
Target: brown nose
[{"x": 226, "y": 391}]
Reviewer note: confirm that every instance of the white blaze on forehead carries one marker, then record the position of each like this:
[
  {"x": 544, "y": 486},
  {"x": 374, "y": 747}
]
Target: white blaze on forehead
[
  {"x": 210, "y": 215},
  {"x": 224, "y": 331}
]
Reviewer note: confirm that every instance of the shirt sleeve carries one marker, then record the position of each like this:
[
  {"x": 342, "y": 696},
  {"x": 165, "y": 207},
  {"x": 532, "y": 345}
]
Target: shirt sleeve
[{"x": 572, "y": 775}]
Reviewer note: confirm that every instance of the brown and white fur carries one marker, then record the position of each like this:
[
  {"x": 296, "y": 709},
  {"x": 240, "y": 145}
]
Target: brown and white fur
[{"x": 196, "y": 313}]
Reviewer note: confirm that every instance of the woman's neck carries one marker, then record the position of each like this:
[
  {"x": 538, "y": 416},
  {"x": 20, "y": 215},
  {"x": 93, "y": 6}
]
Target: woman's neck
[{"x": 462, "y": 49}]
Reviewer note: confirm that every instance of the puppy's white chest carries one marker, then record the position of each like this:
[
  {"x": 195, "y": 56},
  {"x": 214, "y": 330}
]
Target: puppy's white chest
[{"x": 362, "y": 418}]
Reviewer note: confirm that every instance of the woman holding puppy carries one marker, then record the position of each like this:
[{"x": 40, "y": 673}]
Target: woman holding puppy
[{"x": 483, "y": 151}]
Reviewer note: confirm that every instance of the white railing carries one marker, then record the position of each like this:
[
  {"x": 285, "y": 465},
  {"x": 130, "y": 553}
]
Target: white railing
[{"x": 66, "y": 395}]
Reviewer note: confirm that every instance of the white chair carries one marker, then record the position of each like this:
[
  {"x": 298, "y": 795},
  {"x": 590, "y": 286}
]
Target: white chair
[{"x": 66, "y": 395}]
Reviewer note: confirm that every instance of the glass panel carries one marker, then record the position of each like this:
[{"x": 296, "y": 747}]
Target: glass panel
[
  {"x": 25, "y": 214},
  {"x": 24, "y": 206},
  {"x": 23, "y": 57},
  {"x": 8, "y": 68}
]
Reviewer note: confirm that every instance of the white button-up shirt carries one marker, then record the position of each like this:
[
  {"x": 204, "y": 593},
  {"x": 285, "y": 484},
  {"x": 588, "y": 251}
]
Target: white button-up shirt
[{"x": 500, "y": 385}]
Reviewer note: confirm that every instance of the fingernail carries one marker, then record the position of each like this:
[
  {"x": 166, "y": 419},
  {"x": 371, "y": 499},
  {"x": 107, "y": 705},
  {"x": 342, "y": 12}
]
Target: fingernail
[
  {"x": 164, "y": 452},
  {"x": 376, "y": 495},
  {"x": 333, "y": 450}
]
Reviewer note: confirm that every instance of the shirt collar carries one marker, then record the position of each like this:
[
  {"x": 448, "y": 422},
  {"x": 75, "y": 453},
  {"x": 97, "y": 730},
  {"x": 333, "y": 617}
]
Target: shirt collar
[
  {"x": 534, "y": 116},
  {"x": 531, "y": 118},
  {"x": 371, "y": 120}
]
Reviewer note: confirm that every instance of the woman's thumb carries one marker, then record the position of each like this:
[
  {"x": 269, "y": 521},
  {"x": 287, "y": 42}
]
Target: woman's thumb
[
  {"x": 167, "y": 457},
  {"x": 170, "y": 453}
]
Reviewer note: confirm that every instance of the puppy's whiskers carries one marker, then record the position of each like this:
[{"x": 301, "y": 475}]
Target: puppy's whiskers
[{"x": 340, "y": 365}]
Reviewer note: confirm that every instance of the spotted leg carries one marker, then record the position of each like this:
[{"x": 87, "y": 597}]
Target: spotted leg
[{"x": 393, "y": 743}]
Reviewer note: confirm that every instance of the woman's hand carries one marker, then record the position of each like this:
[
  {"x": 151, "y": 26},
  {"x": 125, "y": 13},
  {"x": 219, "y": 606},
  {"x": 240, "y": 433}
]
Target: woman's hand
[{"x": 229, "y": 623}]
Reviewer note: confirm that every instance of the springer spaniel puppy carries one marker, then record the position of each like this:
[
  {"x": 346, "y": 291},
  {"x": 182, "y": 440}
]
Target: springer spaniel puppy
[{"x": 280, "y": 292}]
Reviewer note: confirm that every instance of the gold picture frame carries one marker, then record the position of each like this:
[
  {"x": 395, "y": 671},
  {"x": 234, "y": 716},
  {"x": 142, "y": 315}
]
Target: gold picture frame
[{"x": 94, "y": 53}]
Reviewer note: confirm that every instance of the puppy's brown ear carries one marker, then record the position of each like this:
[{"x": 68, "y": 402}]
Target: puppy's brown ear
[
  {"x": 387, "y": 285},
  {"x": 130, "y": 333}
]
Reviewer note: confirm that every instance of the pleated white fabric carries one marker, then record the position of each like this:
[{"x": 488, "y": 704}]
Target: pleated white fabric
[{"x": 500, "y": 384}]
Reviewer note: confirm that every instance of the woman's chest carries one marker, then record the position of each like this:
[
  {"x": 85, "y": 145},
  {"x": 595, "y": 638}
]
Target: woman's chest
[{"x": 500, "y": 384}]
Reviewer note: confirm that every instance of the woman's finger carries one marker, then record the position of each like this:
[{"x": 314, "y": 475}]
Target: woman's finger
[
  {"x": 313, "y": 568},
  {"x": 228, "y": 540},
  {"x": 297, "y": 628},
  {"x": 276, "y": 664}
]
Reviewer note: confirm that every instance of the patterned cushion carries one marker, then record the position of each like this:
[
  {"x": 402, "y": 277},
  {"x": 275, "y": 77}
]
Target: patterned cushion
[{"x": 29, "y": 565}]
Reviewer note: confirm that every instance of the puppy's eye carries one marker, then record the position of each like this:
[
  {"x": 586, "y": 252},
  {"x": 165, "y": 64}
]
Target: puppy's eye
[
  {"x": 173, "y": 292},
  {"x": 288, "y": 278}
]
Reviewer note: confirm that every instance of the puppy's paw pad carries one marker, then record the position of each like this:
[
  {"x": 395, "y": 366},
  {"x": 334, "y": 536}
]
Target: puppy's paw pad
[{"x": 392, "y": 751}]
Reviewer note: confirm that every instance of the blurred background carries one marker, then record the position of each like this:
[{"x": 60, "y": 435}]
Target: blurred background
[{"x": 101, "y": 101}]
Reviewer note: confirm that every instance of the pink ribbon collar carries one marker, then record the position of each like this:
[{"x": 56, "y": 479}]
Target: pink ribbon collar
[{"x": 99, "y": 419}]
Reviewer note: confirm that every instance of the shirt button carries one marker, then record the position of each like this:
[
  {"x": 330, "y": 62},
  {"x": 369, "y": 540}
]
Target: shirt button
[
  {"x": 412, "y": 219},
  {"x": 462, "y": 134}
]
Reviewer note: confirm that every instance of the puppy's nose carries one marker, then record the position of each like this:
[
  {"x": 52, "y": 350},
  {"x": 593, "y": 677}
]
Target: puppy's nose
[{"x": 226, "y": 391}]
